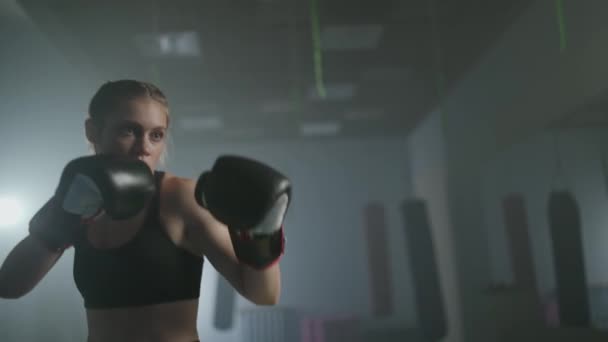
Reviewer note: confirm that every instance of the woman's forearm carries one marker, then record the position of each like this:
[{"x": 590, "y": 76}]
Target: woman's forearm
[
  {"x": 262, "y": 287},
  {"x": 26, "y": 264}
]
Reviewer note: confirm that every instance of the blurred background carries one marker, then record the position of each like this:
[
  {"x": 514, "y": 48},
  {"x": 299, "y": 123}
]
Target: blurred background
[{"x": 425, "y": 140}]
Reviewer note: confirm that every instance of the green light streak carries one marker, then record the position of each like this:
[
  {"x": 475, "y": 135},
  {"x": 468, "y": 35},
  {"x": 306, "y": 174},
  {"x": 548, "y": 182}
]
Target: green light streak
[{"x": 317, "y": 53}]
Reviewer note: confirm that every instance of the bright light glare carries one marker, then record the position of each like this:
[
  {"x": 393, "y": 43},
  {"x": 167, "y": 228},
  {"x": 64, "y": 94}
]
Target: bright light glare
[{"x": 11, "y": 211}]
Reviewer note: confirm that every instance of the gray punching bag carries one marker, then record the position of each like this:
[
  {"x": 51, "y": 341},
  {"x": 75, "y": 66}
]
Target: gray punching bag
[
  {"x": 225, "y": 296},
  {"x": 566, "y": 238},
  {"x": 427, "y": 289}
]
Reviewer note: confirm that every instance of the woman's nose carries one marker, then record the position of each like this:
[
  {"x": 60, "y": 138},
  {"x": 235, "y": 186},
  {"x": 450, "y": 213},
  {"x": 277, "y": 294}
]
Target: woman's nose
[{"x": 143, "y": 146}]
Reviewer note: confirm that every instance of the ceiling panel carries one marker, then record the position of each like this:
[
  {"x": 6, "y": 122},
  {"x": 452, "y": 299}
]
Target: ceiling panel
[{"x": 266, "y": 67}]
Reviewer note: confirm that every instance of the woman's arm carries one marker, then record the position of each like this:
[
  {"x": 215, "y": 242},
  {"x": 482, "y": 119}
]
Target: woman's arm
[
  {"x": 261, "y": 287},
  {"x": 50, "y": 232},
  {"x": 205, "y": 233},
  {"x": 27, "y": 263}
]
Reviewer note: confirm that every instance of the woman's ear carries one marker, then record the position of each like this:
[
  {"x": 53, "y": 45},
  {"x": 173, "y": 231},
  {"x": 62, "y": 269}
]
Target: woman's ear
[{"x": 91, "y": 131}]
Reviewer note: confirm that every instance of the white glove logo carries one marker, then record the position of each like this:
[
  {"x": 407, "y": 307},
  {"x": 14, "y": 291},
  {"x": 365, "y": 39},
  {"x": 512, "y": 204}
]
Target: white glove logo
[{"x": 83, "y": 197}]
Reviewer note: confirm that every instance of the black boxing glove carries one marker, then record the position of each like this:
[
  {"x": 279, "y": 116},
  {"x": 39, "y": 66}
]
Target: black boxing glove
[
  {"x": 89, "y": 185},
  {"x": 251, "y": 198}
]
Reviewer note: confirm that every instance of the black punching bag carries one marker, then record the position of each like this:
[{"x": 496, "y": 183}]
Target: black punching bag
[
  {"x": 429, "y": 299},
  {"x": 224, "y": 304},
  {"x": 566, "y": 237}
]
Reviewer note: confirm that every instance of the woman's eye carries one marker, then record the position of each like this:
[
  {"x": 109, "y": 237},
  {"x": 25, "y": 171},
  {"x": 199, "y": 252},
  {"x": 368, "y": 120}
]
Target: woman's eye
[
  {"x": 158, "y": 136},
  {"x": 127, "y": 131}
]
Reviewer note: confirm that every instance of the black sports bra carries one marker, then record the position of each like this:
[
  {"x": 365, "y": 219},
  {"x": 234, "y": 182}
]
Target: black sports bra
[{"x": 148, "y": 269}]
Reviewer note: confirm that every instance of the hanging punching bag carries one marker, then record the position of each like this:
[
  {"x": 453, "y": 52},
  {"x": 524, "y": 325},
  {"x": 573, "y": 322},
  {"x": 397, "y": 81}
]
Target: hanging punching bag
[
  {"x": 427, "y": 289},
  {"x": 566, "y": 238}
]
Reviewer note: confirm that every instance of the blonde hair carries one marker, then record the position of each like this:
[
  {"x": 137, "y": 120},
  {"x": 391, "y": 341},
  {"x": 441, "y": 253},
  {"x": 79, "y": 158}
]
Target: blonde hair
[{"x": 112, "y": 95}]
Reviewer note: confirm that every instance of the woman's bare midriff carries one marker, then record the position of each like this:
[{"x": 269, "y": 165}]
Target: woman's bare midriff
[{"x": 167, "y": 322}]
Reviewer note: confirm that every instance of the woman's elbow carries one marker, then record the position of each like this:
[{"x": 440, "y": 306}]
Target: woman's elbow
[
  {"x": 6, "y": 293},
  {"x": 11, "y": 296},
  {"x": 265, "y": 298},
  {"x": 270, "y": 300},
  {"x": 12, "y": 290}
]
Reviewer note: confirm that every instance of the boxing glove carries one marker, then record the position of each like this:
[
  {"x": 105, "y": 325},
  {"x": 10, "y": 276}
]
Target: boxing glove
[
  {"x": 90, "y": 185},
  {"x": 251, "y": 199}
]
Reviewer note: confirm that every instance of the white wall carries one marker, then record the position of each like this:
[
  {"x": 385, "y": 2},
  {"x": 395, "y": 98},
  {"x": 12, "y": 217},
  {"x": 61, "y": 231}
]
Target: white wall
[
  {"x": 531, "y": 168},
  {"x": 429, "y": 176},
  {"x": 523, "y": 82},
  {"x": 325, "y": 268}
]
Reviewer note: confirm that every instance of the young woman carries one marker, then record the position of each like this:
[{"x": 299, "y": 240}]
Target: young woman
[{"x": 140, "y": 234}]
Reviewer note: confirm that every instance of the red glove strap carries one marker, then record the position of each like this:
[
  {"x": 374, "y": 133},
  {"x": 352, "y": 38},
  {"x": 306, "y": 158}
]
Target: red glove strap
[{"x": 259, "y": 252}]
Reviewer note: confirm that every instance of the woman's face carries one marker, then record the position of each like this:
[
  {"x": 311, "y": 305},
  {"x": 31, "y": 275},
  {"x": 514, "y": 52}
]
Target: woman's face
[{"x": 137, "y": 130}]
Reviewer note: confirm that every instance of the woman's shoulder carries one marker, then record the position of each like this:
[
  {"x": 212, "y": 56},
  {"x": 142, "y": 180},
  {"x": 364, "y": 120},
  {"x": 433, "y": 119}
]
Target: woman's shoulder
[
  {"x": 177, "y": 197},
  {"x": 176, "y": 189}
]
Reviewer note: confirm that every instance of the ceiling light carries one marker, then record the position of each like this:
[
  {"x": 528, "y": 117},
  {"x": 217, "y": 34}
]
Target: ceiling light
[
  {"x": 324, "y": 128},
  {"x": 175, "y": 44},
  {"x": 200, "y": 123}
]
